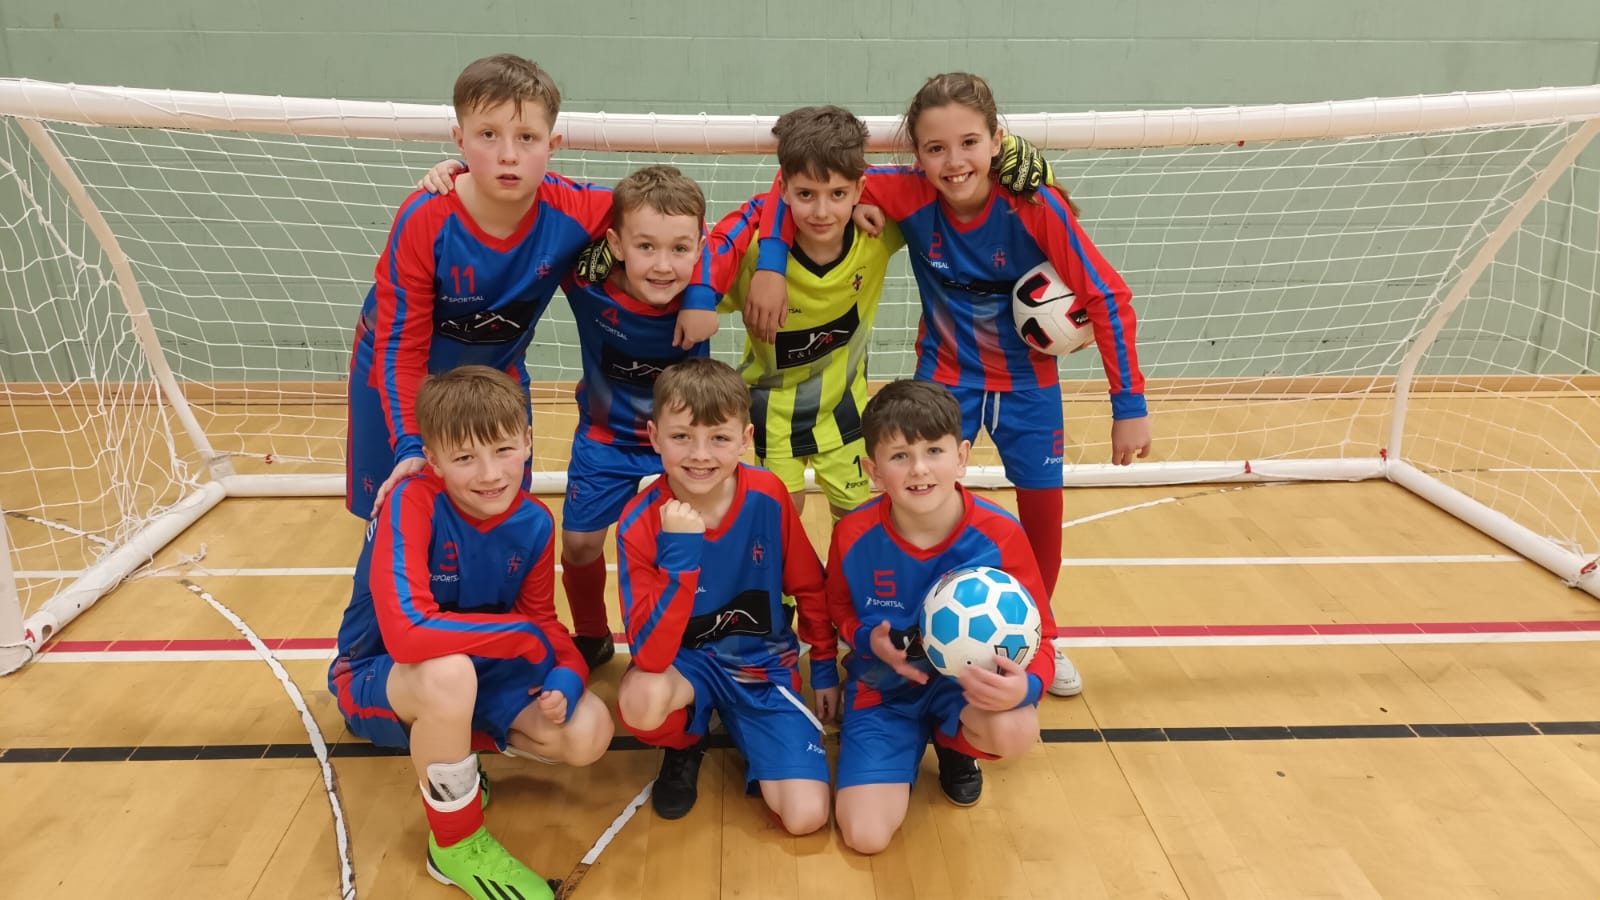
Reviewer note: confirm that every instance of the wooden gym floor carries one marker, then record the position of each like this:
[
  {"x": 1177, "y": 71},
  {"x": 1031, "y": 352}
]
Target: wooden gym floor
[{"x": 1304, "y": 690}]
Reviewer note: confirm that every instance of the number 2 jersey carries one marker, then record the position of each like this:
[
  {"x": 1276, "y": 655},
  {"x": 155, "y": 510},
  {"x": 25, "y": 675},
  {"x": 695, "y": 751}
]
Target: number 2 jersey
[
  {"x": 965, "y": 273},
  {"x": 433, "y": 582},
  {"x": 721, "y": 593},
  {"x": 875, "y": 576}
]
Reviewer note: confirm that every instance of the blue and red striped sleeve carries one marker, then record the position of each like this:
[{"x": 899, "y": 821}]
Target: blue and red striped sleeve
[
  {"x": 897, "y": 190},
  {"x": 590, "y": 206},
  {"x": 658, "y": 574},
  {"x": 841, "y": 605},
  {"x": 537, "y": 601},
  {"x": 587, "y": 204},
  {"x": 730, "y": 241},
  {"x": 414, "y": 628},
  {"x": 1099, "y": 288},
  {"x": 404, "y": 327},
  {"x": 1016, "y": 559},
  {"x": 803, "y": 580}
]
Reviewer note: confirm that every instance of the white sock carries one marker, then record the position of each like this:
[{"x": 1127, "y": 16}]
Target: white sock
[{"x": 454, "y": 781}]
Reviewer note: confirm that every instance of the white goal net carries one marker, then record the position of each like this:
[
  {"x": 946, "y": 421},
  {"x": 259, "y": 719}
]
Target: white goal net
[{"x": 1401, "y": 288}]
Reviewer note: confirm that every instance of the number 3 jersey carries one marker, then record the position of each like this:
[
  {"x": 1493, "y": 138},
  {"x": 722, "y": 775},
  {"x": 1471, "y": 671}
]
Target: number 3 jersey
[
  {"x": 875, "y": 575},
  {"x": 721, "y": 593},
  {"x": 432, "y": 582}
]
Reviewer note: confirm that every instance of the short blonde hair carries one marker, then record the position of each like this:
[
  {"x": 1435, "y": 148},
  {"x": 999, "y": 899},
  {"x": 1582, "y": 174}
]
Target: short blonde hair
[
  {"x": 664, "y": 189},
  {"x": 710, "y": 390},
  {"x": 472, "y": 403}
]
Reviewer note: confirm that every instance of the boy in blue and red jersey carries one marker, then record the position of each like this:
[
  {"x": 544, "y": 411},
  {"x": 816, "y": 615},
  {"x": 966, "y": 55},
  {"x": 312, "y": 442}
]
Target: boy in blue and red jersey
[
  {"x": 626, "y": 325},
  {"x": 464, "y": 277},
  {"x": 705, "y": 555},
  {"x": 969, "y": 244},
  {"x": 882, "y": 561},
  {"x": 450, "y": 642}
]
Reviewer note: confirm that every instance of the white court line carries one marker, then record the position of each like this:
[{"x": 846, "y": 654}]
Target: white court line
[
  {"x": 347, "y": 874},
  {"x": 569, "y": 885},
  {"x": 622, "y": 818},
  {"x": 107, "y": 656},
  {"x": 1117, "y": 512},
  {"x": 1079, "y": 562}
]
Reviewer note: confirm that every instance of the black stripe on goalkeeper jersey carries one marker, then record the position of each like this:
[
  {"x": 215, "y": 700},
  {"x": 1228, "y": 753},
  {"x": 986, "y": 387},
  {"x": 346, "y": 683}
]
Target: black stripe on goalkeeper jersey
[
  {"x": 758, "y": 415},
  {"x": 804, "y": 348}
]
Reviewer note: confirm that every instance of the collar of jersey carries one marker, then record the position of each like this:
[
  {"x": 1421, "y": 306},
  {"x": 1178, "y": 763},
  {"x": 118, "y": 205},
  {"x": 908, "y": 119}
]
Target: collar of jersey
[
  {"x": 886, "y": 507},
  {"x": 734, "y": 506},
  {"x": 821, "y": 270},
  {"x": 627, "y": 301},
  {"x": 501, "y": 245},
  {"x": 977, "y": 221}
]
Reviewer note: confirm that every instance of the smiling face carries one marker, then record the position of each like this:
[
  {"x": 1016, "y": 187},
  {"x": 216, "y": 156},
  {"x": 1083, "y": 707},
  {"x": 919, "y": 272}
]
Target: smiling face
[
  {"x": 919, "y": 476},
  {"x": 657, "y": 252},
  {"x": 507, "y": 147},
  {"x": 698, "y": 460},
  {"x": 954, "y": 146},
  {"x": 482, "y": 478}
]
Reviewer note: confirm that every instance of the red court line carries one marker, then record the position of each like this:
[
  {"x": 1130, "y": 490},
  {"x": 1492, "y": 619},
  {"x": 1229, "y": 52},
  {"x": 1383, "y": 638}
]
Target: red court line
[{"x": 183, "y": 645}]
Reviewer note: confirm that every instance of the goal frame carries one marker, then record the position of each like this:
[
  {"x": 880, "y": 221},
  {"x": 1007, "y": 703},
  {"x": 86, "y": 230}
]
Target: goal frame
[{"x": 29, "y": 102}]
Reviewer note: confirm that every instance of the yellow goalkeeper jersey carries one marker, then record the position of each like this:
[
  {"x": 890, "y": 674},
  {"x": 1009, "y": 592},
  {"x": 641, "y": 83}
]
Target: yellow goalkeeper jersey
[{"x": 808, "y": 388}]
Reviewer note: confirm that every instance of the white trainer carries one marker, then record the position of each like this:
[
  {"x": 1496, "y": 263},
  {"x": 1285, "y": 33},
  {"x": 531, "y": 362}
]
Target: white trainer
[{"x": 1067, "y": 682}]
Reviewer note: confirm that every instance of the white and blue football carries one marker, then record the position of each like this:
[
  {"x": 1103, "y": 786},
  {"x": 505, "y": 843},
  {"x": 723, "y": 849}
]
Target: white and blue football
[{"x": 971, "y": 615}]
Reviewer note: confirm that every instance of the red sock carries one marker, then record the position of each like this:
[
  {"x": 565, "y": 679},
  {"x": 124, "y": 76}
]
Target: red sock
[
  {"x": 670, "y": 733},
  {"x": 451, "y": 827},
  {"x": 586, "y": 596},
  {"x": 960, "y": 744},
  {"x": 1039, "y": 510}
]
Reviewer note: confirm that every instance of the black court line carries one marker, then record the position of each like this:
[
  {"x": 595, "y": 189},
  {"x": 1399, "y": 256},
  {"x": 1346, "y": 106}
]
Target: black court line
[{"x": 1049, "y": 735}]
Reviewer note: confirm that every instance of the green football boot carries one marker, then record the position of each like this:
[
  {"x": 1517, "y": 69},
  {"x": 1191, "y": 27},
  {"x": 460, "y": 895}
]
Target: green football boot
[{"x": 485, "y": 870}]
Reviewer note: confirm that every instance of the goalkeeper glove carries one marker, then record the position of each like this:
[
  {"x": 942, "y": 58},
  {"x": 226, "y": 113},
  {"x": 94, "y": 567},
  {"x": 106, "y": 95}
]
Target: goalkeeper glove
[
  {"x": 594, "y": 262},
  {"x": 1021, "y": 168}
]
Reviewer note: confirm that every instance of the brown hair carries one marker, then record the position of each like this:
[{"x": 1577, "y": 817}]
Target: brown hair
[
  {"x": 664, "y": 189},
  {"x": 506, "y": 78},
  {"x": 710, "y": 390},
  {"x": 960, "y": 89},
  {"x": 914, "y": 410},
  {"x": 820, "y": 141},
  {"x": 472, "y": 403}
]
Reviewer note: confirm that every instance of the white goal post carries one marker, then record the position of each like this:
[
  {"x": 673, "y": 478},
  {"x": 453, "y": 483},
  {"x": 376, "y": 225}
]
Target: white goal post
[{"x": 1401, "y": 288}]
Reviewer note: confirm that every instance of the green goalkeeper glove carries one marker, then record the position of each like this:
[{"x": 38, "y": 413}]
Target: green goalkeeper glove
[
  {"x": 594, "y": 262},
  {"x": 1022, "y": 169}
]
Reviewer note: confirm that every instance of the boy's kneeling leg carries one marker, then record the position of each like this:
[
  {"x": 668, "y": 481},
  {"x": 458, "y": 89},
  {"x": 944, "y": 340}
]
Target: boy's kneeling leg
[
  {"x": 645, "y": 700},
  {"x": 435, "y": 698},
  {"x": 800, "y": 803},
  {"x": 656, "y": 708},
  {"x": 1003, "y": 735},
  {"x": 870, "y": 814},
  {"x": 581, "y": 740}
]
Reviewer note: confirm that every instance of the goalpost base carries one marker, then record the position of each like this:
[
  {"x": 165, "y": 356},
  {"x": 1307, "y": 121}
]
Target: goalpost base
[
  {"x": 1572, "y": 569},
  {"x": 111, "y": 570}
]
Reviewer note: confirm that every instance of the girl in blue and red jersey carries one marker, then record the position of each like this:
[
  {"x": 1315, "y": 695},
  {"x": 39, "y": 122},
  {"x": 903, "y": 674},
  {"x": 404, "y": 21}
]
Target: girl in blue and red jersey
[{"x": 969, "y": 244}]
